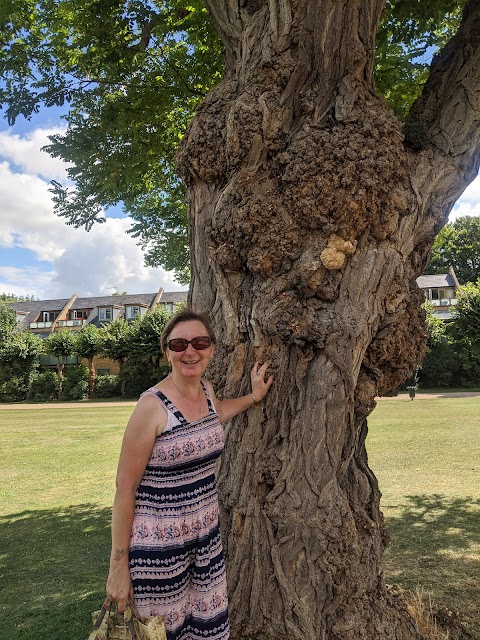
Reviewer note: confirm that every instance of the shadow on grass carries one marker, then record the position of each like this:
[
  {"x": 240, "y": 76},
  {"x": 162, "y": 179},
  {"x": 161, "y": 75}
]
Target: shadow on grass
[
  {"x": 53, "y": 563},
  {"x": 435, "y": 545},
  {"x": 53, "y": 567}
]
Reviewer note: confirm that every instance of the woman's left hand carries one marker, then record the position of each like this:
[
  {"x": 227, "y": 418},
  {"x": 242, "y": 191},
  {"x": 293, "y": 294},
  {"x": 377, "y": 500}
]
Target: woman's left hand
[{"x": 259, "y": 385}]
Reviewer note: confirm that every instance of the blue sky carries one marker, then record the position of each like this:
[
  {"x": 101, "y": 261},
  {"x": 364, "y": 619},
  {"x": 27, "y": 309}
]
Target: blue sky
[{"x": 40, "y": 255}]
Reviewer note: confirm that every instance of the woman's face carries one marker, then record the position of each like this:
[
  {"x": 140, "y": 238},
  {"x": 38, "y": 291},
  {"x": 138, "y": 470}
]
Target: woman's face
[{"x": 189, "y": 363}]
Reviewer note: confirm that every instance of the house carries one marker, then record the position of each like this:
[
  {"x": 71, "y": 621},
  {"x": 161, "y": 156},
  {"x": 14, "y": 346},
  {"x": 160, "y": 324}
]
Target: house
[
  {"x": 43, "y": 317},
  {"x": 441, "y": 291}
]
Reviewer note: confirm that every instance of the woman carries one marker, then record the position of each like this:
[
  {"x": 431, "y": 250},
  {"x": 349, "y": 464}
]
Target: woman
[{"x": 166, "y": 547}]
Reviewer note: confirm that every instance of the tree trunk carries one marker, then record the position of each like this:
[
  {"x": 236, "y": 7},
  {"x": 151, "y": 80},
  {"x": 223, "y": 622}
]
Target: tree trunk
[
  {"x": 91, "y": 377},
  {"x": 310, "y": 221},
  {"x": 60, "y": 367}
]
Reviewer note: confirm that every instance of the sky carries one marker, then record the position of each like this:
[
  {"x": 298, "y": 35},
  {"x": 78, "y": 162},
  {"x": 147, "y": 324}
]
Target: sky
[{"x": 41, "y": 256}]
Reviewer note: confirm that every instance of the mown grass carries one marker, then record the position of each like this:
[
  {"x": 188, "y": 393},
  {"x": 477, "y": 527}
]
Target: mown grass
[
  {"x": 58, "y": 475},
  {"x": 58, "y": 471},
  {"x": 426, "y": 456}
]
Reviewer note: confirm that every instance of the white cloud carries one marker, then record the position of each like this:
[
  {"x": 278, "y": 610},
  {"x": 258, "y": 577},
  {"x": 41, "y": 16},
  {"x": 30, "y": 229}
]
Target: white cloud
[
  {"x": 469, "y": 202},
  {"x": 93, "y": 263},
  {"x": 25, "y": 152},
  {"x": 464, "y": 209},
  {"x": 26, "y": 282},
  {"x": 97, "y": 262},
  {"x": 472, "y": 192},
  {"x": 26, "y": 215},
  {"x": 107, "y": 258}
]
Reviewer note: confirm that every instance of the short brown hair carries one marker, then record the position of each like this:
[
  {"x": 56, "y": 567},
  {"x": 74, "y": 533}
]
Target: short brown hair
[{"x": 185, "y": 315}]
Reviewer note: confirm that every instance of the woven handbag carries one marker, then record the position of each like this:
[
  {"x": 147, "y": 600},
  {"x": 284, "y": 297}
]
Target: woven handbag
[{"x": 130, "y": 625}]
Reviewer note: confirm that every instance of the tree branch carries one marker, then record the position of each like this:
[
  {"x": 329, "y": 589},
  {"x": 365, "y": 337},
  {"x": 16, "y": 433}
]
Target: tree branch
[
  {"x": 228, "y": 23},
  {"x": 445, "y": 117}
]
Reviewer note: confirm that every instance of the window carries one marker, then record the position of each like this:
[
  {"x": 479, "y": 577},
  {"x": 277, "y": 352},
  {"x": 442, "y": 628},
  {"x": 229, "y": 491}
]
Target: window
[
  {"x": 105, "y": 313},
  {"x": 49, "y": 316},
  {"x": 79, "y": 314},
  {"x": 132, "y": 312},
  {"x": 443, "y": 296},
  {"x": 103, "y": 372},
  {"x": 52, "y": 361}
]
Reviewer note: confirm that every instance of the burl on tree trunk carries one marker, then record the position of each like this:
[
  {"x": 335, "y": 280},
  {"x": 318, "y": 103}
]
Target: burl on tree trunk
[{"x": 311, "y": 217}]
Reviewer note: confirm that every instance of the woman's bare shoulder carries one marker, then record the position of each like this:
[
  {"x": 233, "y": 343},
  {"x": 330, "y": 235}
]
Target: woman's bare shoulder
[{"x": 151, "y": 411}]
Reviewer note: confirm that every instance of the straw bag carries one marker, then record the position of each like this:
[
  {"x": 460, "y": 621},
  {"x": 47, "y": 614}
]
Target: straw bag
[{"x": 110, "y": 625}]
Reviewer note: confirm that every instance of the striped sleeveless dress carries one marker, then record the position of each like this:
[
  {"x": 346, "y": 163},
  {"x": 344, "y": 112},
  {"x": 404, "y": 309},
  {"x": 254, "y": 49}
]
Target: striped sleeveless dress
[{"x": 176, "y": 557}]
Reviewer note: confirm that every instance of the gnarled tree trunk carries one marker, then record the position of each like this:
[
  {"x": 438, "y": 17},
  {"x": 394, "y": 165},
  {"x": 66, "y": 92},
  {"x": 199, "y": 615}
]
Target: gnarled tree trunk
[{"x": 311, "y": 218}]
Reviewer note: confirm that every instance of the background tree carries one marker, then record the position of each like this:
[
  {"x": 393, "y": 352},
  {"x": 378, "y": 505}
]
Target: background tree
[
  {"x": 312, "y": 212},
  {"x": 143, "y": 367},
  {"x": 88, "y": 344},
  {"x": 12, "y": 297},
  {"x": 19, "y": 354},
  {"x": 458, "y": 245},
  {"x": 441, "y": 365},
  {"x": 116, "y": 343},
  {"x": 146, "y": 334},
  {"x": 453, "y": 348},
  {"x": 61, "y": 344},
  {"x": 465, "y": 331},
  {"x": 8, "y": 325}
]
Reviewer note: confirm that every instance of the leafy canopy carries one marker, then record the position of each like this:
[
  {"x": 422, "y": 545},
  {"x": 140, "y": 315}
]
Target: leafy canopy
[
  {"x": 12, "y": 297},
  {"x": 467, "y": 316},
  {"x": 117, "y": 336},
  {"x": 89, "y": 341},
  {"x": 458, "y": 245},
  {"x": 15, "y": 346},
  {"x": 61, "y": 344},
  {"x": 131, "y": 75},
  {"x": 409, "y": 34}
]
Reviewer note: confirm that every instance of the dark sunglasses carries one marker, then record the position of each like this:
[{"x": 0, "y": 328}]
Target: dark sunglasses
[{"x": 180, "y": 344}]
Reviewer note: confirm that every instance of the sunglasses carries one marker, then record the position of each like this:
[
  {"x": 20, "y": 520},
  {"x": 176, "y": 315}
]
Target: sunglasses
[{"x": 180, "y": 344}]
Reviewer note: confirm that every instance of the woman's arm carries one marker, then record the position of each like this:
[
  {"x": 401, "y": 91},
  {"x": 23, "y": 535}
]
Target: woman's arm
[
  {"x": 146, "y": 422},
  {"x": 229, "y": 408}
]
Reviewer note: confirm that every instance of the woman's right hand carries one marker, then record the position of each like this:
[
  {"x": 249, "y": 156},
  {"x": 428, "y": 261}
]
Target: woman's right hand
[{"x": 119, "y": 586}]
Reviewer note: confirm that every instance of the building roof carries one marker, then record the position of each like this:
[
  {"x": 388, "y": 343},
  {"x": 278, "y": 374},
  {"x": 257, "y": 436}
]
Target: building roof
[
  {"x": 32, "y": 308},
  {"x": 436, "y": 281}
]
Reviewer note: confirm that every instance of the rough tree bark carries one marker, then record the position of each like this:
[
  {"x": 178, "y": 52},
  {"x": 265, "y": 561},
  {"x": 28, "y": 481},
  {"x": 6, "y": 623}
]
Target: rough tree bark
[{"x": 312, "y": 213}]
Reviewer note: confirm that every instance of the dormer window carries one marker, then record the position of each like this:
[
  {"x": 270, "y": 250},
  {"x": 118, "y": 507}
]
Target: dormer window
[
  {"x": 79, "y": 314},
  {"x": 105, "y": 313},
  {"x": 131, "y": 312},
  {"x": 49, "y": 316}
]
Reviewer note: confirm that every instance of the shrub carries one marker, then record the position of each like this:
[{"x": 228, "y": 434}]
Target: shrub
[
  {"x": 43, "y": 387},
  {"x": 139, "y": 374},
  {"x": 14, "y": 389},
  {"x": 75, "y": 382},
  {"x": 107, "y": 386},
  {"x": 440, "y": 367}
]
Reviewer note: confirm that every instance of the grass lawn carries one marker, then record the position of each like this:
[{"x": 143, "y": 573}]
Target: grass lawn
[
  {"x": 58, "y": 479},
  {"x": 58, "y": 471},
  {"x": 426, "y": 456}
]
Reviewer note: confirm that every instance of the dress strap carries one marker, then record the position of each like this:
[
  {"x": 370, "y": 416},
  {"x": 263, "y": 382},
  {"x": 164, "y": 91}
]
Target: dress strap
[
  {"x": 170, "y": 406},
  {"x": 172, "y": 409},
  {"x": 211, "y": 407}
]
